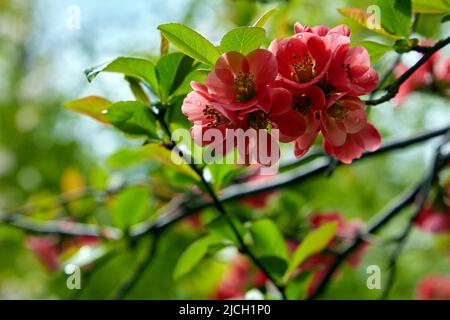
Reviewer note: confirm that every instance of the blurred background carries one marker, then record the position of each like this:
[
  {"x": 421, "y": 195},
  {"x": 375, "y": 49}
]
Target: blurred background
[{"x": 46, "y": 150}]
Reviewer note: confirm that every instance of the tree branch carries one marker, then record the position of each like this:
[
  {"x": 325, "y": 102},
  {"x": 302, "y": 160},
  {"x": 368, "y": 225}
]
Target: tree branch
[
  {"x": 379, "y": 222},
  {"x": 392, "y": 90}
]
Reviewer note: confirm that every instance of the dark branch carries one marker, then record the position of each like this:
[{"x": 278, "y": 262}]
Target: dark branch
[
  {"x": 392, "y": 90},
  {"x": 420, "y": 190}
]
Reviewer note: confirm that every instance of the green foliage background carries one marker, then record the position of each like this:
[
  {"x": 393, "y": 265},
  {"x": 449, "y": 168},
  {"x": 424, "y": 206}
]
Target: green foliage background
[{"x": 46, "y": 150}]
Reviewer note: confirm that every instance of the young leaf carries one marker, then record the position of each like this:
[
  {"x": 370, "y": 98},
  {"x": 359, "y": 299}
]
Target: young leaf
[
  {"x": 296, "y": 289},
  {"x": 428, "y": 6},
  {"x": 396, "y": 16},
  {"x": 243, "y": 39},
  {"x": 137, "y": 90},
  {"x": 194, "y": 254},
  {"x": 313, "y": 243},
  {"x": 130, "y": 206},
  {"x": 190, "y": 42},
  {"x": 261, "y": 22},
  {"x": 376, "y": 50},
  {"x": 132, "y": 67},
  {"x": 92, "y": 106},
  {"x": 132, "y": 117},
  {"x": 171, "y": 71},
  {"x": 222, "y": 228},
  {"x": 170, "y": 159},
  {"x": 269, "y": 246},
  {"x": 363, "y": 18}
]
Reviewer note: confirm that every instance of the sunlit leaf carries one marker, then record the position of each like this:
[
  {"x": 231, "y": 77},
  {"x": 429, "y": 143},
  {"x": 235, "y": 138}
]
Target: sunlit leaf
[
  {"x": 194, "y": 254},
  {"x": 396, "y": 16},
  {"x": 243, "y": 39},
  {"x": 132, "y": 117},
  {"x": 261, "y": 22},
  {"x": 313, "y": 243},
  {"x": 170, "y": 159},
  {"x": 364, "y": 19},
  {"x": 92, "y": 106},
  {"x": 190, "y": 42},
  {"x": 132, "y": 67},
  {"x": 428, "y": 6}
]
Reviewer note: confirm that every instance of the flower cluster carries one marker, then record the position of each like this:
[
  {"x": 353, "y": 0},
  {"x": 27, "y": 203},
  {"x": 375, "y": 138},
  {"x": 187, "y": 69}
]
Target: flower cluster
[{"x": 303, "y": 85}]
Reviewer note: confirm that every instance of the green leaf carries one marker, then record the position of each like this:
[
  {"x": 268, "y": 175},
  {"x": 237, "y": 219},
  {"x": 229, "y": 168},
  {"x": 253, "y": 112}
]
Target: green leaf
[
  {"x": 170, "y": 159},
  {"x": 243, "y": 39},
  {"x": 376, "y": 50},
  {"x": 130, "y": 206},
  {"x": 198, "y": 75},
  {"x": 137, "y": 90},
  {"x": 92, "y": 106},
  {"x": 445, "y": 18},
  {"x": 132, "y": 117},
  {"x": 268, "y": 245},
  {"x": 194, "y": 254},
  {"x": 362, "y": 18},
  {"x": 396, "y": 16},
  {"x": 428, "y": 6},
  {"x": 221, "y": 227},
  {"x": 261, "y": 22},
  {"x": 313, "y": 243},
  {"x": 132, "y": 67},
  {"x": 297, "y": 288},
  {"x": 190, "y": 42},
  {"x": 171, "y": 70}
]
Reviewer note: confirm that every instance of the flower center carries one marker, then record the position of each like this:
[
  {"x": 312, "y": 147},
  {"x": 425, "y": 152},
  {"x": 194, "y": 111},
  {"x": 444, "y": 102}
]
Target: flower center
[
  {"x": 303, "y": 66},
  {"x": 337, "y": 111},
  {"x": 244, "y": 84},
  {"x": 214, "y": 117},
  {"x": 302, "y": 104},
  {"x": 347, "y": 70},
  {"x": 259, "y": 120}
]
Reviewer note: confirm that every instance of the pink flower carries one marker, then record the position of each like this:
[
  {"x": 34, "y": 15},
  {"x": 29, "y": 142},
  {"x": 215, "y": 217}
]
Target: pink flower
[
  {"x": 240, "y": 82},
  {"x": 205, "y": 114},
  {"x": 368, "y": 139},
  {"x": 46, "y": 250},
  {"x": 434, "y": 287},
  {"x": 302, "y": 60},
  {"x": 308, "y": 103},
  {"x": 433, "y": 221},
  {"x": 441, "y": 71},
  {"x": 341, "y": 117},
  {"x": 235, "y": 280},
  {"x": 350, "y": 71},
  {"x": 418, "y": 79},
  {"x": 278, "y": 114},
  {"x": 322, "y": 30}
]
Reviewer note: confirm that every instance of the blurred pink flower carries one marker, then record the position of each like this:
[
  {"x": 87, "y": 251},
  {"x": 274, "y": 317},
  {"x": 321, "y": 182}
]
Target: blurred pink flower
[{"x": 434, "y": 287}]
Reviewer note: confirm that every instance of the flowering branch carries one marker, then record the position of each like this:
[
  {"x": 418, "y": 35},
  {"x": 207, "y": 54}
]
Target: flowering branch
[
  {"x": 219, "y": 206},
  {"x": 419, "y": 192},
  {"x": 392, "y": 90}
]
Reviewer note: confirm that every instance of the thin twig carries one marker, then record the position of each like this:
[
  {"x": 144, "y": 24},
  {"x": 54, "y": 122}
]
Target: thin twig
[
  {"x": 379, "y": 222},
  {"x": 138, "y": 272},
  {"x": 392, "y": 90}
]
